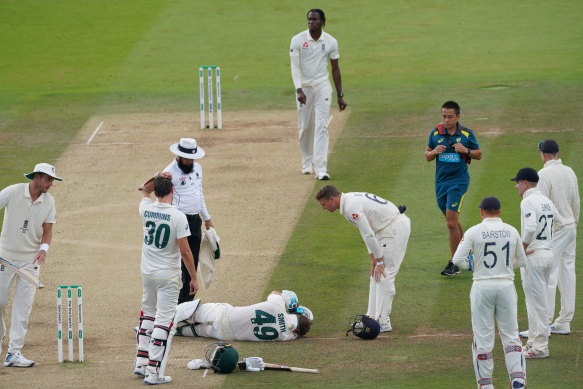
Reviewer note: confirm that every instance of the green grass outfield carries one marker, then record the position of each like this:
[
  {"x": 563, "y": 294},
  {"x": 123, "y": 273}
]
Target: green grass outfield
[{"x": 514, "y": 67}]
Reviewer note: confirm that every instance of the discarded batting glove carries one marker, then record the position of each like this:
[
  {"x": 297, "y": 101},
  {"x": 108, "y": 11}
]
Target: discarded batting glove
[
  {"x": 254, "y": 364},
  {"x": 196, "y": 364}
]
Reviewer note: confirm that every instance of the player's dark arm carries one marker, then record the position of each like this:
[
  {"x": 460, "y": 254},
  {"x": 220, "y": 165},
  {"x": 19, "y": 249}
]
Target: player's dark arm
[
  {"x": 473, "y": 154},
  {"x": 338, "y": 83}
]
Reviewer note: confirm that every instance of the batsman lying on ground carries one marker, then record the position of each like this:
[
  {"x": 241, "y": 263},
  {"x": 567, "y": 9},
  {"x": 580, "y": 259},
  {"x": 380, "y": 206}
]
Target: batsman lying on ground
[{"x": 280, "y": 318}]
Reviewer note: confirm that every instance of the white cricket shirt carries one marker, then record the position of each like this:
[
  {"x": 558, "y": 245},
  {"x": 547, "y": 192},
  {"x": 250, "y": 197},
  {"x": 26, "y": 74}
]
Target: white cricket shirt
[
  {"x": 314, "y": 56},
  {"x": 559, "y": 183},
  {"x": 497, "y": 250},
  {"x": 188, "y": 195},
  {"x": 538, "y": 218},
  {"x": 266, "y": 321},
  {"x": 370, "y": 214},
  {"x": 163, "y": 225},
  {"x": 22, "y": 228}
]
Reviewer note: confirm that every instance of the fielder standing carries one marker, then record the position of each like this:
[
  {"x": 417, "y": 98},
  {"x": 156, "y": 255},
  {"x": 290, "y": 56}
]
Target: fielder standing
[
  {"x": 189, "y": 199},
  {"x": 385, "y": 231},
  {"x": 27, "y": 231},
  {"x": 454, "y": 146},
  {"x": 310, "y": 51},
  {"x": 559, "y": 183},
  {"x": 266, "y": 321},
  {"x": 538, "y": 216},
  {"x": 165, "y": 243},
  {"x": 497, "y": 250}
]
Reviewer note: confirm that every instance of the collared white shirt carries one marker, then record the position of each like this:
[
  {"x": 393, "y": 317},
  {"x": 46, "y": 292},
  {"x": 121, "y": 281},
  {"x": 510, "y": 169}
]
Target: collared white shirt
[
  {"x": 538, "y": 219},
  {"x": 314, "y": 56},
  {"x": 559, "y": 183},
  {"x": 22, "y": 229},
  {"x": 188, "y": 196},
  {"x": 497, "y": 250},
  {"x": 163, "y": 225},
  {"x": 370, "y": 214}
]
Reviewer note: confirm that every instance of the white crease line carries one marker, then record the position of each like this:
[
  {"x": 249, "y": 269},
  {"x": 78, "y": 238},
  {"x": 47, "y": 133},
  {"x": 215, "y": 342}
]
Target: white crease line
[{"x": 94, "y": 133}]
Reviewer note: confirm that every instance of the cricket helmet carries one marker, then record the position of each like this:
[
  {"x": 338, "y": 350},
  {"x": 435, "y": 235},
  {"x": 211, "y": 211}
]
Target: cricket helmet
[
  {"x": 364, "y": 327},
  {"x": 222, "y": 357}
]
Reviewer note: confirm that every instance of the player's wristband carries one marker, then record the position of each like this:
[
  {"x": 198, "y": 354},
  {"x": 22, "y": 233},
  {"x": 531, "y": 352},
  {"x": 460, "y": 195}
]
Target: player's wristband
[
  {"x": 469, "y": 151},
  {"x": 44, "y": 247},
  {"x": 380, "y": 263}
]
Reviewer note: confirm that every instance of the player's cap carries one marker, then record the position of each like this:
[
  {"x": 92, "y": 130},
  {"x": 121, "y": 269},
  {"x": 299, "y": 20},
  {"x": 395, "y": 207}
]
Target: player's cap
[
  {"x": 43, "y": 168},
  {"x": 490, "y": 203},
  {"x": 187, "y": 148},
  {"x": 548, "y": 146},
  {"x": 526, "y": 174}
]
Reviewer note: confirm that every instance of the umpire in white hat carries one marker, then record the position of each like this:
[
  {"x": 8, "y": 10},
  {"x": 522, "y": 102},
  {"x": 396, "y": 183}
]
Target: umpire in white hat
[
  {"x": 27, "y": 231},
  {"x": 189, "y": 198}
]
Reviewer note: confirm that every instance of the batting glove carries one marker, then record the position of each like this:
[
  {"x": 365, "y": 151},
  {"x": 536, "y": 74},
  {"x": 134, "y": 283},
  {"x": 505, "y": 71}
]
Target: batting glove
[
  {"x": 254, "y": 364},
  {"x": 196, "y": 364}
]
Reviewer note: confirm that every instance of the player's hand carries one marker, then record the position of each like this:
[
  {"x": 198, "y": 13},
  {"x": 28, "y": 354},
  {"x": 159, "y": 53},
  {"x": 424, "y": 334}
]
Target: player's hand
[
  {"x": 439, "y": 149},
  {"x": 459, "y": 148},
  {"x": 379, "y": 270},
  {"x": 208, "y": 224},
  {"x": 341, "y": 104},
  {"x": 193, "y": 287},
  {"x": 40, "y": 257},
  {"x": 301, "y": 97},
  {"x": 166, "y": 175}
]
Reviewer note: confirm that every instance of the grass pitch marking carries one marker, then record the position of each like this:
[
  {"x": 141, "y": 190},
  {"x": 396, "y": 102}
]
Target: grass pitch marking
[{"x": 94, "y": 133}]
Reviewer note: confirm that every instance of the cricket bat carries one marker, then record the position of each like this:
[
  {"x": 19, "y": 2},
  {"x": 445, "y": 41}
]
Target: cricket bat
[
  {"x": 21, "y": 272},
  {"x": 273, "y": 366}
]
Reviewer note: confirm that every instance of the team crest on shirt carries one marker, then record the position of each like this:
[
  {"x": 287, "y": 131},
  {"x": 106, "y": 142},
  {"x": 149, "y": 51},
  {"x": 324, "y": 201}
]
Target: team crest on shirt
[
  {"x": 305, "y": 45},
  {"x": 527, "y": 215},
  {"x": 355, "y": 216},
  {"x": 458, "y": 140}
]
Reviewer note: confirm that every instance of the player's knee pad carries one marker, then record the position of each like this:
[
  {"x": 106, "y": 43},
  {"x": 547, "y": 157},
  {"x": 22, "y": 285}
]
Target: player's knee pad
[
  {"x": 515, "y": 362},
  {"x": 158, "y": 344}
]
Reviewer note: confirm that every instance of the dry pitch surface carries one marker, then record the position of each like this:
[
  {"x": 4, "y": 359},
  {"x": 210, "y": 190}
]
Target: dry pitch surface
[{"x": 254, "y": 192}]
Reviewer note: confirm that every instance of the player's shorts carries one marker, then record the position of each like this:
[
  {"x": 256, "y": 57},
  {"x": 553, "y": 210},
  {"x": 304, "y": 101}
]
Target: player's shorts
[{"x": 450, "y": 196}]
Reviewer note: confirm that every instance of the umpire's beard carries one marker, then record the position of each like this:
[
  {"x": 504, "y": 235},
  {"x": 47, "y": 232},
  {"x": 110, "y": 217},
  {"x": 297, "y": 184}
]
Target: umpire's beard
[{"x": 186, "y": 169}]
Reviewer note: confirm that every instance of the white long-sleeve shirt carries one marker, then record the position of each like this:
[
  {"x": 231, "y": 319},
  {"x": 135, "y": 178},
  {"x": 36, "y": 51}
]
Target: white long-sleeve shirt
[
  {"x": 370, "y": 214},
  {"x": 188, "y": 196},
  {"x": 497, "y": 250},
  {"x": 309, "y": 58},
  {"x": 559, "y": 183},
  {"x": 538, "y": 219}
]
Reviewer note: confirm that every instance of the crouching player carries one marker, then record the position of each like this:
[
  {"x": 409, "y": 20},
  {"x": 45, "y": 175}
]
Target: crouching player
[
  {"x": 280, "y": 318},
  {"x": 497, "y": 249},
  {"x": 165, "y": 243}
]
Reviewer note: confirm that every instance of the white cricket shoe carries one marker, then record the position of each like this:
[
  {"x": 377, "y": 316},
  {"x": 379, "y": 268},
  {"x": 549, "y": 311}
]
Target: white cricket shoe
[
  {"x": 17, "y": 360},
  {"x": 140, "y": 370},
  {"x": 564, "y": 329},
  {"x": 386, "y": 327},
  {"x": 530, "y": 353},
  {"x": 152, "y": 377},
  {"x": 523, "y": 334},
  {"x": 307, "y": 169},
  {"x": 322, "y": 176}
]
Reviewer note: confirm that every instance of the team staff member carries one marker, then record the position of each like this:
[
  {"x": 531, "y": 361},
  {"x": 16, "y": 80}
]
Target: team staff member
[
  {"x": 266, "y": 321},
  {"x": 497, "y": 249},
  {"x": 309, "y": 52},
  {"x": 189, "y": 199},
  {"x": 537, "y": 217},
  {"x": 165, "y": 242},
  {"x": 27, "y": 231},
  {"x": 454, "y": 146},
  {"x": 559, "y": 183},
  {"x": 385, "y": 231}
]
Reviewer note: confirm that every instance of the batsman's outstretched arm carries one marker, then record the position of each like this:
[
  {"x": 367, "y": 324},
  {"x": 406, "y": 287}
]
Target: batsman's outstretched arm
[{"x": 188, "y": 260}]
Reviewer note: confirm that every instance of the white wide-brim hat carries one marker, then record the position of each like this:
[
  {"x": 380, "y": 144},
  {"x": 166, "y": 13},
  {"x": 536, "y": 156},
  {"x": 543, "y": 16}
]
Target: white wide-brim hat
[
  {"x": 187, "y": 148},
  {"x": 43, "y": 168}
]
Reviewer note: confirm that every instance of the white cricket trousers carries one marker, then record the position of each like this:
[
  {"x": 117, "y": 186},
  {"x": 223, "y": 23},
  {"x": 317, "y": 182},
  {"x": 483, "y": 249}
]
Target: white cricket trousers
[
  {"x": 214, "y": 321},
  {"x": 563, "y": 274},
  {"x": 535, "y": 281},
  {"x": 21, "y": 306},
  {"x": 393, "y": 241},
  {"x": 491, "y": 299},
  {"x": 313, "y": 125}
]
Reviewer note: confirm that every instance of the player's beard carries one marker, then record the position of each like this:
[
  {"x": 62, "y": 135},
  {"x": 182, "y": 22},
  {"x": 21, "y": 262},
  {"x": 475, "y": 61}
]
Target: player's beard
[{"x": 186, "y": 169}]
